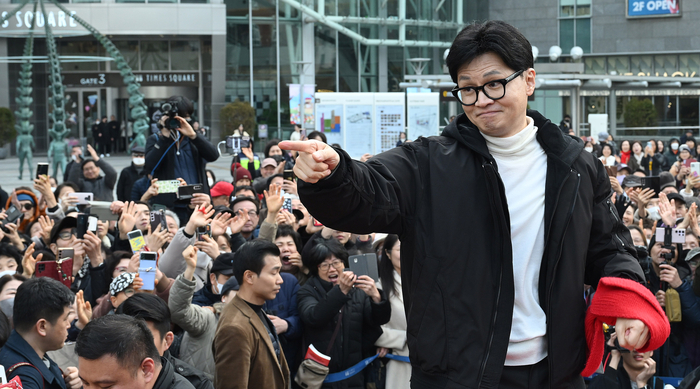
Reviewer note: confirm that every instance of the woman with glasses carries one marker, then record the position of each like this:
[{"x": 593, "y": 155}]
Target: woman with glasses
[{"x": 335, "y": 297}]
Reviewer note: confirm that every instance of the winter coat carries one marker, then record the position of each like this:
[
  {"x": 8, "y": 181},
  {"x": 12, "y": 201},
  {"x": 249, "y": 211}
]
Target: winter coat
[
  {"x": 320, "y": 304},
  {"x": 284, "y": 306},
  {"x": 172, "y": 264},
  {"x": 127, "y": 177},
  {"x": 243, "y": 351},
  {"x": 198, "y": 323},
  {"x": 169, "y": 379},
  {"x": 102, "y": 187},
  {"x": 425, "y": 191},
  {"x": 398, "y": 373}
]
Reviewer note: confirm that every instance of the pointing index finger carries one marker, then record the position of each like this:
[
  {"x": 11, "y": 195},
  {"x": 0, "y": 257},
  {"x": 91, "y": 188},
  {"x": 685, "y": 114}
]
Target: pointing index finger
[{"x": 306, "y": 146}]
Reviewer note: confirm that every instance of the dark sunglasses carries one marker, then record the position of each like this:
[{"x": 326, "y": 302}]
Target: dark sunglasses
[{"x": 27, "y": 206}]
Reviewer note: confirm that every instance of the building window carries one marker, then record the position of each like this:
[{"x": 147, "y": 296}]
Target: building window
[{"x": 575, "y": 25}]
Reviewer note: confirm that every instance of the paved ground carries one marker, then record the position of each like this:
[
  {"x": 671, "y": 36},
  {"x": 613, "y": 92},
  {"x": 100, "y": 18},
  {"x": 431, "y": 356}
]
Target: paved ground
[{"x": 9, "y": 169}]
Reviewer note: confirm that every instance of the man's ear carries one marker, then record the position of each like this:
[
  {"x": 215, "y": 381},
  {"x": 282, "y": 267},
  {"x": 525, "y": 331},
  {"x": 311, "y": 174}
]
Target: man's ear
[
  {"x": 41, "y": 327},
  {"x": 169, "y": 337},
  {"x": 54, "y": 248},
  {"x": 148, "y": 367},
  {"x": 212, "y": 278},
  {"x": 113, "y": 299},
  {"x": 249, "y": 277}
]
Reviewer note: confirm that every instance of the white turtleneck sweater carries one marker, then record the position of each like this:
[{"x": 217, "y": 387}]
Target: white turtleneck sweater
[{"x": 522, "y": 165}]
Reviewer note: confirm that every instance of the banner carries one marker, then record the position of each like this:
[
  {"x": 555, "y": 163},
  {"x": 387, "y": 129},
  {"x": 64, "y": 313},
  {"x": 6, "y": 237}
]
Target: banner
[
  {"x": 294, "y": 115},
  {"x": 423, "y": 111},
  {"x": 653, "y": 8}
]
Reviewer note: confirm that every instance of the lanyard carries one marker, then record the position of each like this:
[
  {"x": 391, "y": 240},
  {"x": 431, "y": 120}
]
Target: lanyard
[{"x": 345, "y": 374}]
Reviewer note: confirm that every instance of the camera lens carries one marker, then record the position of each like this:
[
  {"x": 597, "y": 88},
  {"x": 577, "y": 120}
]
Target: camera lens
[
  {"x": 173, "y": 123},
  {"x": 166, "y": 107}
]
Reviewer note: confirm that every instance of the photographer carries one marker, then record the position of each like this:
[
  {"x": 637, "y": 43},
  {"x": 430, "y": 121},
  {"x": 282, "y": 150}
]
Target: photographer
[
  {"x": 179, "y": 151},
  {"x": 626, "y": 367}
]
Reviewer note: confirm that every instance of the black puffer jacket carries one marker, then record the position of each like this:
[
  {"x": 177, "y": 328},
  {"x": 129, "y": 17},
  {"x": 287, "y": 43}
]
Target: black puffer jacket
[
  {"x": 458, "y": 277},
  {"x": 319, "y": 306}
]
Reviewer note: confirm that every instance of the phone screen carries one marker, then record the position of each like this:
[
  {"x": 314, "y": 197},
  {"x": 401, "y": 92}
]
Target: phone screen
[
  {"x": 147, "y": 269},
  {"x": 157, "y": 221},
  {"x": 42, "y": 169},
  {"x": 136, "y": 241},
  {"x": 82, "y": 225}
]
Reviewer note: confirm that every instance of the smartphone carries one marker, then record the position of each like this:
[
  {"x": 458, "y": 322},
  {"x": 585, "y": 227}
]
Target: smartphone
[
  {"x": 364, "y": 265},
  {"x": 83, "y": 145},
  {"x": 612, "y": 171},
  {"x": 147, "y": 269},
  {"x": 82, "y": 225},
  {"x": 65, "y": 253},
  {"x": 136, "y": 241},
  {"x": 187, "y": 192},
  {"x": 92, "y": 224},
  {"x": 84, "y": 198},
  {"x": 158, "y": 221},
  {"x": 42, "y": 169},
  {"x": 245, "y": 142},
  {"x": 677, "y": 234},
  {"x": 653, "y": 183},
  {"x": 101, "y": 210},
  {"x": 201, "y": 231},
  {"x": 695, "y": 169},
  {"x": 168, "y": 186},
  {"x": 60, "y": 270},
  {"x": 13, "y": 213},
  {"x": 289, "y": 175}
]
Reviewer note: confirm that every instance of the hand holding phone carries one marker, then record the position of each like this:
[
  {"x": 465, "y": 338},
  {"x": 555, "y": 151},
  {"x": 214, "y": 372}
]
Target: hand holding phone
[
  {"x": 42, "y": 169},
  {"x": 364, "y": 265},
  {"x": 147, "y": 269}
]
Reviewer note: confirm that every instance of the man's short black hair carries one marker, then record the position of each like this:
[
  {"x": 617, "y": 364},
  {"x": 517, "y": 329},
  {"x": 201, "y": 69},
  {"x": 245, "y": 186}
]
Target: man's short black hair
[
  {"x": 324, "y": 249},
  {"x": 185, "y": 107},
  {"x": 148, "y": 307},
  {"x": 40, "y": 298},
  {"x": 124, "y": 337},
  {"x": 241, "y": 199},
  {"x": 251, "y": 256},
  {"x": 317, "y": 134},
  {"x": 287, "y": 230},
  {"x": 69, "y": 184},
  {"x": 493, "y": 36},
  {"x": 269, "y": 180},
  {"x": 244, "y": 187},
  {"x": 9, "y": 250}
]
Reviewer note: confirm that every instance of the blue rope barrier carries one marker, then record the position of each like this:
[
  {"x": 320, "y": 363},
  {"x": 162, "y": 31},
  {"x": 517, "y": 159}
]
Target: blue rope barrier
[{"x": 347, "y": 373}]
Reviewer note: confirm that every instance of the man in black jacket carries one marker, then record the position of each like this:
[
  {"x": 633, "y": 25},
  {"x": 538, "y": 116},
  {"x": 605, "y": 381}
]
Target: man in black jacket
[
  {"x": 179, "y": 153},
  {"x": 130, "y": 174},
  {"x": 118, "y": 351},
  {"x": 541, "y": 225}
]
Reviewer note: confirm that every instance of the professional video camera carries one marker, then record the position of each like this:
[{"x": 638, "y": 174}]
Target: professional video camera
[{"x": 170, "y": 110}]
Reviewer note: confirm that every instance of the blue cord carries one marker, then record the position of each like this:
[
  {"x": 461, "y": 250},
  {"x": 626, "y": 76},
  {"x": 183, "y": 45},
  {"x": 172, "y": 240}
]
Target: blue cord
[{"x": 165, "y": 153}]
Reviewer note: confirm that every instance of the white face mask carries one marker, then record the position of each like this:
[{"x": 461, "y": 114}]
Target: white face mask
[
  {"x": 210, "y": 181},
  {"x": 74, "y": 157},
  {"x": 674, "y": 146},
  {"x": 6, "y": 272},
  {"x": 589, "y": 149},
  {"x": 139, "y": 161},
  {"x": 220, "y": 286},
  {"x": 654, "y": 213}
]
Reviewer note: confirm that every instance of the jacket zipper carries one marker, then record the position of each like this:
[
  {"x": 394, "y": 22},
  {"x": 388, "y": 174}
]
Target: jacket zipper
[
  {"x": 556, "y": 264},
  {"x": 495, "y": 311},
  {"x": 617, "y": 218}
]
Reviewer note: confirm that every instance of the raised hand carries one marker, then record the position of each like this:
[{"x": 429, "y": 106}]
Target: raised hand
[
  {"x": 152, "y": 191},
  {"x": 84, "y": 310},
  {"x": 667, "y": 210},
  {"x": 316, "y": 159},
  {"x": 156, "y": 240},
  {"x": 236, "y": 224},
  {"x": 219, "y": 223},
  {"x": 632, "y": 334},
  {"x": 367, "y": 285},
  {"x": 29, "y": 262},
  {"x": 127, "y": 220},
  {"x": 190, "y": 256},
  {"x": 208, "y": 246},
  {"x": 274, "y": 200},
  {"x": 92, "y": 245},
  {"x": 46, "y": 224}
]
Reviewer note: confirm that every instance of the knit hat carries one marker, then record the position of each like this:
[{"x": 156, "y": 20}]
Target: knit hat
[
  {"x": 121, "y": 282},
  {"x": 684, "y": 147},
  {"x": 242, "y": 174},
  {"x": 666, "y": 179},
  {"x": 620, "y": 297},
  {"x": 603, "y": 136}
]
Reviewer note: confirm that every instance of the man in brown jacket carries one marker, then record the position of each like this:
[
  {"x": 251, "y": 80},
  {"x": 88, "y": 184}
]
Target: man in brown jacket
[{"x": 247, "y": 351}]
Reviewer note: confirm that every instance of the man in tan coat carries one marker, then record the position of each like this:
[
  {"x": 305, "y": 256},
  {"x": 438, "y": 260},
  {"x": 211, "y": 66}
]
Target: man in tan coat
[{"x": 246, "y": 347}]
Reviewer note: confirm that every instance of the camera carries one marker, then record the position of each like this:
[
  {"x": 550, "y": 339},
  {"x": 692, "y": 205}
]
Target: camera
[{"x": 170, "y": 110}]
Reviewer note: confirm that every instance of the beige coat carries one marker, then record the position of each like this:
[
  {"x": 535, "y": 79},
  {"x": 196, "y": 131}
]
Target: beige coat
[
  {"x": 243, "y": 352},
  {"x": 398, "y": 374}
]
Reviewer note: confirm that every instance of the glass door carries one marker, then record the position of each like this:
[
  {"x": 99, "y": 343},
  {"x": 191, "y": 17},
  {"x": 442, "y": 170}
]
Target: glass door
[{"x": 84, "y": 108}]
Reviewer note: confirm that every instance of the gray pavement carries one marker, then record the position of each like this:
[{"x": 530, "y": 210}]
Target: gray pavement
[{"x": 9, "y": 169}]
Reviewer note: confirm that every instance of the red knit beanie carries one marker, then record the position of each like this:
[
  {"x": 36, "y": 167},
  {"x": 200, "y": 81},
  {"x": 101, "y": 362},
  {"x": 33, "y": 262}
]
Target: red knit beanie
[{"x": 619, "y": 297}]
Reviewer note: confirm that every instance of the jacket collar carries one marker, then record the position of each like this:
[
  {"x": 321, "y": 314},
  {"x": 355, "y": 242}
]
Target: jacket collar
[
  {"x": 258, "y": 325},
  {"x": 557, "y": 145},
  {"x": 20, "y": 346},
  {"x": 166, "y": 375}
]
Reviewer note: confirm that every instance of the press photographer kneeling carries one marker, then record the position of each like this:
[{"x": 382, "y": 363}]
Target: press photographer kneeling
[{"x": 670, "y": 283}]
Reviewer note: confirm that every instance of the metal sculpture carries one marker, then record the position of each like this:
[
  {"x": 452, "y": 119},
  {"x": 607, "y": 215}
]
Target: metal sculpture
[{"x": 58, "y": 148}]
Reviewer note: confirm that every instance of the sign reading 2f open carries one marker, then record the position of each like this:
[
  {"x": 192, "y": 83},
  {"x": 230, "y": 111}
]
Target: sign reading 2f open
[{"x": 653, "y": 8}]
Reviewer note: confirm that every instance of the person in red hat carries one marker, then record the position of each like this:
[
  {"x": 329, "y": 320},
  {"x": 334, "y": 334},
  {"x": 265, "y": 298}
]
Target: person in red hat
[
  {"x": 242, "y": 178},
  {"x": 221, "y": 193}
]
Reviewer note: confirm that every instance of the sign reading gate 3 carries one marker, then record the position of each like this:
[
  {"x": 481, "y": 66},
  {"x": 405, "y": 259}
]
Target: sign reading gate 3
[
  {"x": 653, "y": 8},
  {"x": 144, "y": 78}
]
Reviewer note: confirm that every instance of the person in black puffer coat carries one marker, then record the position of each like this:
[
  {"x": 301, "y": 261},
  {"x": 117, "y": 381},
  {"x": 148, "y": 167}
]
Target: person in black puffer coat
[{"x": 329, "y": 296}]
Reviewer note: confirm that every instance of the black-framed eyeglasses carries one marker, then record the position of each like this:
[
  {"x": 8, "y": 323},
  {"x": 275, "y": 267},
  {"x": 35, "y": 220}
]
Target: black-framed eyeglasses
[
  {"x": 494, "y": 90},
  {"x": 65, "y": 235}
]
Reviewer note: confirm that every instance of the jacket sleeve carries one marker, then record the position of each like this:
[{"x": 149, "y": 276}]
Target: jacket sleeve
[
  {"x": 607, "y": 380},
  {"x": 377, "y": 314},
  {"x": 192, "y": 318},
  {"x": 31, "y": 378},
  {"x": 267, "y": 231},
  {"x": 317, "y": 313},
  {"x": 392, "y": 338},
  {"x": 376, "y": 195},
  {"x": 294, "y": 330},
  {"x": 206, "y": 150},
  {"x": 121, "y": 187},
  {"x": 171, "y": 262},
  {"x": 232, "y": 368},
  {"x": 611, "y": 252},
  {"x": 99, "y": 282},
  {"x": 690, "y": 304},
  {"x": 110, "y": 173}
]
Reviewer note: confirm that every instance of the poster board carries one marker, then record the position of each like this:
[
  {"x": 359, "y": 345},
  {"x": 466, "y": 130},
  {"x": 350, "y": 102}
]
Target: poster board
[{"x": 423, "y": 110}]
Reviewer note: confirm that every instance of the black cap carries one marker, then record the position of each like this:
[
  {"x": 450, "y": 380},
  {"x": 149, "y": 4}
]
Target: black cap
[
  {"x": 66, "y": 222},
  {"x": 676, "y": 196},
  {"x": 138, "y": 149},
  {"x": 666, "y": 179},
  {"x": 631, "y": 181},
  {"x": 223, "y": 264},
  {"x": 231, "y": 284}
]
